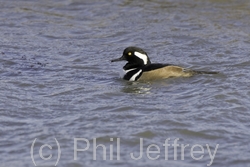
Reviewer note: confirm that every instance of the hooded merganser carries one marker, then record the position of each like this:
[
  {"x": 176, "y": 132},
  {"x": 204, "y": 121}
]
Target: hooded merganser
[{"x": 139, "y": 67}]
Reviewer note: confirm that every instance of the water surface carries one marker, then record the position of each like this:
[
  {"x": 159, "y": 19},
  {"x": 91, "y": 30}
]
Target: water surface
[{"x": 57, "y": 81}]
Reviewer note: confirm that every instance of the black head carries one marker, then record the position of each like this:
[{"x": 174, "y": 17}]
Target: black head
[{"x": 135, "y": 56}]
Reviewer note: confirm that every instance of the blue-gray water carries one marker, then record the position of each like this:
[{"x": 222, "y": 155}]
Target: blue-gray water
[{"x": 57, "y": 82}]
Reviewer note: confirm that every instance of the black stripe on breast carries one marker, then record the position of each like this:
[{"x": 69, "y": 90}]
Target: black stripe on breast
[
  {"x": 130, "y": 74},
  {"x": 151, "y": 67}
]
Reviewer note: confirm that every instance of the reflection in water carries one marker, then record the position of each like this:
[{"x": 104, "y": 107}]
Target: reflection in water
[
  {"x": 57, "y": 80},
  {"x": 137, "y": 87}
]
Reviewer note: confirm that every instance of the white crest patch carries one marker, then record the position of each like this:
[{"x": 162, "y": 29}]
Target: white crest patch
[
  {"x": 142, "y": 56},
  {"x": 135, "y": 75}
]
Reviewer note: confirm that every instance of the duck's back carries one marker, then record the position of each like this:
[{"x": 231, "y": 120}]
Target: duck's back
[{"x": 162, "y": 71}]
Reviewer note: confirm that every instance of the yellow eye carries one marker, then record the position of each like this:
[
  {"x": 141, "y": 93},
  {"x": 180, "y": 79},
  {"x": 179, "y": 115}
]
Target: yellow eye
[{"x": 129, "y": 53}]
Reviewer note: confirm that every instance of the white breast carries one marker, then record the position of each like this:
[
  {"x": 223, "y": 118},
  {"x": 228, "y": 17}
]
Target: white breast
[{"x": 135, "y": 75}]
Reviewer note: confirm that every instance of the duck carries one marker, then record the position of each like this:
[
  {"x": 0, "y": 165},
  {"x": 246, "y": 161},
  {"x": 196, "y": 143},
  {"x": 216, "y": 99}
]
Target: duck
[{"x": 140, "y": 68}]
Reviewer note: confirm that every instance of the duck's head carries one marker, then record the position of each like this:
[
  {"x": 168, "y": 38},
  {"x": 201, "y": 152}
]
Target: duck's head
[{"x": 135, "y": 56}]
